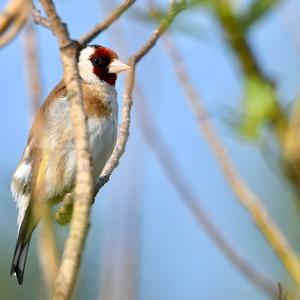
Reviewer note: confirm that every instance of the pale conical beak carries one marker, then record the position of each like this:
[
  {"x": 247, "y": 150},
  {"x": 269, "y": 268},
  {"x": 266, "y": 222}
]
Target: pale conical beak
[{"x": 116, "y": 66}]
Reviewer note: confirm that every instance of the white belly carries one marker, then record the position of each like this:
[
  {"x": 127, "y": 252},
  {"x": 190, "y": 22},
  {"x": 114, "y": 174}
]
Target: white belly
[{"x": 102, "y": 138}]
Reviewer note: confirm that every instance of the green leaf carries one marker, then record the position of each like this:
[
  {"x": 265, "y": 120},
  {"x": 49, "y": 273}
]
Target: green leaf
[{"x": 259, "y": 106}]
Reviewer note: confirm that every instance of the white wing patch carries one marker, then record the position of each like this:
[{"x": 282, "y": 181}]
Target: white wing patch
[
  {"x": 20, "y": 189},
  {"x": 22, "y": 204},
  {"x": 23, "y": 172}
]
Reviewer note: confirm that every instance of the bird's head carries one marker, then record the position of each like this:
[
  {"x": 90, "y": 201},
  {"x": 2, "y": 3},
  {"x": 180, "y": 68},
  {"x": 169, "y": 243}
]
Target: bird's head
[{"x": 99, "y": 63}]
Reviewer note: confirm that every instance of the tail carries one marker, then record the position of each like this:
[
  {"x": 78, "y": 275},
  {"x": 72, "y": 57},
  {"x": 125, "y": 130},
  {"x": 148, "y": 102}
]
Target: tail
[{"x": 20, "y": 255}]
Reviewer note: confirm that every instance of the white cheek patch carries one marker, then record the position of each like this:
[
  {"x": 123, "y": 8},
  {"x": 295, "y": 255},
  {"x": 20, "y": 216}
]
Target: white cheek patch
[{"x": 85, "y": 66}]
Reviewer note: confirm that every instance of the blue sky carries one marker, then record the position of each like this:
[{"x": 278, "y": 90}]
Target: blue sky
[{"x": 176, "y": 259}]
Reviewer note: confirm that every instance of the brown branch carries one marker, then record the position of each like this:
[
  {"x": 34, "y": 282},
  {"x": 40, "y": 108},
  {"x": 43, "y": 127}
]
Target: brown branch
[
  {"x": 64, "y": 213},
  {"x": 12, "y": 19},
  {"x": 96, "y": 30},
  {"x": 182, "y": 187},
  {"x": 83, "y": 191},
  {"x": 47, "y": 248},
  {"x": 119, "y": 149},
  {"x": 38, "y": 18},
  {"x": 32, "y": 70},
  {"x": 242, "y": 191},
  {"x": 110, "y": 19},
  {"x": 174, "y": 10},
  {"x": 218, "y": 237},
  {"x": 155, "y": 139},
  {"x": 48, "y": 252}
]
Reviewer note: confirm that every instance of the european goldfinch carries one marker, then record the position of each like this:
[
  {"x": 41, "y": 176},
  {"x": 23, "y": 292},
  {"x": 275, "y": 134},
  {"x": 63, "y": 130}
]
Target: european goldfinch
[{"x": 46, "y": 171}]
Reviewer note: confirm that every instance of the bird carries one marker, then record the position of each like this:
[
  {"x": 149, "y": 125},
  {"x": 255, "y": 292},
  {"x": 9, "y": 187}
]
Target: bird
[{"x": 46, "y": 171}]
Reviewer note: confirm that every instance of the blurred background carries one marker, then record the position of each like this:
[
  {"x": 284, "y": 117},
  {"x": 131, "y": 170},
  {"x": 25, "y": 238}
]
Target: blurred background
[{"x": 144, "y": 243}]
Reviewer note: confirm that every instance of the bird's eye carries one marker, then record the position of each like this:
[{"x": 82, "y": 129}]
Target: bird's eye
[
  {"x": 100, "y": 61},
  {"x": 96, "y": 61}
]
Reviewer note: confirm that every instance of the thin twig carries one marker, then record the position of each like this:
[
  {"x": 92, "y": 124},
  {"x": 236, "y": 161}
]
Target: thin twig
[
  {"x": 243, "y": 193},
  {"x": 175, "y": 9},
  {"x": 32, "y": 74},
  {"x": 38, "y": 18},
  {"x": 12, "y": 19},
  {"x": 127, "y": 98},
  {"x": 154, "y": 139},
  {"x": 83, "y": 191},
  {"x": 48, "y": 252},
  {"x": 65, "y": 211},
  {"x": 111, "y": 18},
  {"x": 174, "y": 172},
  {"x": 47, "y": 248}
]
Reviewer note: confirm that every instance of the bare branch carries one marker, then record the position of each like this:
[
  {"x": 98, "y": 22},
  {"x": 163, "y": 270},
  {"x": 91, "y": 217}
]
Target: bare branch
[
  {"x": 32, "y": 71},
  {"x": 83, "y": 191},
  {"x": 175, "y": 9},
  {"x": 242, "y": 191},
  {"x": 12, "y": 19},
  {"x": 38, "y": 18},
  {"x": 127, "y": 97},
  {"x": 161, "y": 150},
  {"x": 47, "y": 248},
  {"x": 113, "y": 16},
  {"x": 182, "y": 187},
  {"x": 48, "y": 253},
  {"x": 96, "y": 30}
]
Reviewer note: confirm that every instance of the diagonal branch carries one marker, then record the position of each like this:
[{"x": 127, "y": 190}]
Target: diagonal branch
[
  {"x": 47, "y": 248},
  {"x": 113, "y": 162},
  {"x": 96, "y": 30},
  {"x": 38, "y": 18},
  {"x": 83, "y": 191},
  {"x": 12, "y": 20},
  {"x": 169, "y": 163},
  {"x": 100, "y": 27},
  {"x": 182, "y": 187},
  {"x": 33, "y": 74},
  {"x": 242, "y": 191}
]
